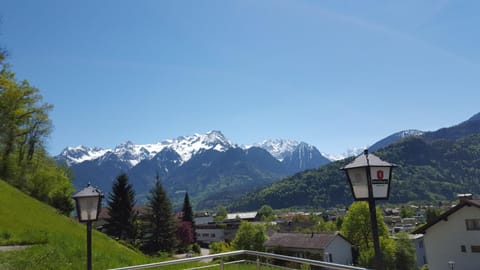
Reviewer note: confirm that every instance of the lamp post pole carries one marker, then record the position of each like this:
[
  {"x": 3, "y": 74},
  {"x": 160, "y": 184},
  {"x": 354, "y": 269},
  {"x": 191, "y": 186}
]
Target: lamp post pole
[
  {"x": 88, "y": 204},
  {"x": 89, "y": 245},
  {"x": 369, "y": 178},
  {"x": 373, "y": 218}
]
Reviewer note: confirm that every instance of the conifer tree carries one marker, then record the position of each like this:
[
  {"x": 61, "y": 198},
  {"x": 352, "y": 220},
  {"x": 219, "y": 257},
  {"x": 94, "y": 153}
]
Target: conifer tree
[
  {"x": 122, "y": 217},
  {"x": 187, "y": 209},
  {"x": 188, "y": 216},
  {"x": 160, "y": 225}
]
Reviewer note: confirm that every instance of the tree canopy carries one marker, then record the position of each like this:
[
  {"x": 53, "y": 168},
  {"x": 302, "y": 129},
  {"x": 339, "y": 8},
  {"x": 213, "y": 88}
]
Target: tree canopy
[
  {"x": 24, "y": 128},
  {"x": 250, "y": 237}
]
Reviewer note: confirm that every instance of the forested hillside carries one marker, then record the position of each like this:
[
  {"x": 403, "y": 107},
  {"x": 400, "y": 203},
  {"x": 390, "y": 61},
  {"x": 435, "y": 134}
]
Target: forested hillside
[
  {"x": 24, "y": 129},
  {"x": 427, "y": 170}
]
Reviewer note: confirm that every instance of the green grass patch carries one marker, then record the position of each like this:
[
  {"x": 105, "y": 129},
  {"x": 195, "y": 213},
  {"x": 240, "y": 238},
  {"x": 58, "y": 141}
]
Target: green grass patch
[{"x": 58, "y": 242}]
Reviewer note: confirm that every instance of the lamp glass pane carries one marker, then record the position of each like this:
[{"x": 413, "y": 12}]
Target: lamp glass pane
[
  {"x": 358, "y": 179},
  {"x": 88, "y": 208},
  {"x": 380, "y": 181}
]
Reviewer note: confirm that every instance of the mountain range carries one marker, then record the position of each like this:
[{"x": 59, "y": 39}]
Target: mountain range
[
  {"x": 432, "y": 166},
  {"x": 282, "y": 173},
  {"x": 208, "y": 166}
]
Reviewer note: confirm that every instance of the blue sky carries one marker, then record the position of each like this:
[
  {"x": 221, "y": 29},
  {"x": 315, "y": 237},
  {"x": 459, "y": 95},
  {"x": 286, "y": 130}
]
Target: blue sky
[{"x": 336, "y": 74}]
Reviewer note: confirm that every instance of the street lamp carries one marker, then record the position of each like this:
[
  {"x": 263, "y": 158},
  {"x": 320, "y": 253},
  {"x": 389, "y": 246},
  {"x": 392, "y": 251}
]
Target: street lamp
[
  {"x": 451, "y": 264},
  {"x": 369, "y": 178},
  {"x": 88, "y": 203}
]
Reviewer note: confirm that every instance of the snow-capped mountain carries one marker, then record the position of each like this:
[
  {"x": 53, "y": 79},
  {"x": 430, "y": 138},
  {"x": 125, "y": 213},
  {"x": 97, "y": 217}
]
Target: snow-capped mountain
[
  {"x": 395, "y": 138},
  {"x": 207, "y": 165},
  {"x": 295, "y": 156},
  {"x": 132, "y": 154},
  {"x": 79, "y": 154},
  {"x": 278, "y": 148}
]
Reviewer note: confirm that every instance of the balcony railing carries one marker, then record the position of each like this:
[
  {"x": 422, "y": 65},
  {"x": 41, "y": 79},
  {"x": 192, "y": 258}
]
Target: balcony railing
[{"x": 257, "y": 254}]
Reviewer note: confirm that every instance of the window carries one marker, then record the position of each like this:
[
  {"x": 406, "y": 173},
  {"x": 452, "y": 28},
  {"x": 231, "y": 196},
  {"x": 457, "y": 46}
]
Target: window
[
  {"x": 463, "y": 248},
  {"x": 472, "y": 224},
  {"x": 205, "y": 235},
  {"x": 420, "y": 244},
  {"x": 475, "y": 249},
  {"x": 212, "y": 235}
]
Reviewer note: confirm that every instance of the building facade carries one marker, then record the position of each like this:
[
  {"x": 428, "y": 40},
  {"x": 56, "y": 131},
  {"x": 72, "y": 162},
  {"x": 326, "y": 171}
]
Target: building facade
[{"x": 454, "y": 237}]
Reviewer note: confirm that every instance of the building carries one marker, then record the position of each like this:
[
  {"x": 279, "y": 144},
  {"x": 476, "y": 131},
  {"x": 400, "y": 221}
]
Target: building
[
  {"x": 418, "y": 243},
  {"x": 203, "y": 218},
  {"x": 245, "y": 216},
  {"x": 331, "y": 247},
  {"x": 454, "y": 237}
]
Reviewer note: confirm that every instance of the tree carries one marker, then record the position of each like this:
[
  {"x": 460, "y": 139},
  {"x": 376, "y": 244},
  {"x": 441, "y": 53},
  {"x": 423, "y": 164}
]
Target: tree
[
  {"x": 387, "y": 247},
  {"x": 122, "y": 216},
  {"x": 266, "y": 213},
  {"x": 357, "y": 228},
  {"x": 404, "y": 253},
  {"x": 160, "y": 225},
  {"x": 406, "y": 211},
  {"x": 184, "y": 234},
  {"x": 431, "y": 214},
  {"x": 188, "y": 217},
  {"x": 24, "y": 128},
  {"x": 221, "y": 213},
  {"x": 250, "y": 237}
]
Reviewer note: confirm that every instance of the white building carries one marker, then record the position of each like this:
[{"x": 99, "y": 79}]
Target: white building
[{"x": 454, "y": 237}]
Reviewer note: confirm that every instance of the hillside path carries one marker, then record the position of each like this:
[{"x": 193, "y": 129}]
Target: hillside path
[{"x": 12, "y": 248}]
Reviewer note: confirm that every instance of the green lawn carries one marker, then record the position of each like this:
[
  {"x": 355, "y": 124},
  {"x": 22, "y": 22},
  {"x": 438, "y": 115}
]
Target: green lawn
[{"x": 58, "y": 242}]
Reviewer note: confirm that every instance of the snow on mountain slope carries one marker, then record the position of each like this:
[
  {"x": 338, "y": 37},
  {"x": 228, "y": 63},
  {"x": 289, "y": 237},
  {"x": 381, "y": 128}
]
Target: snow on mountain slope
[
  {"x": 81, "y": 153},
  {"x": 185, "y": 146},
  {"x": 278, "y": 148}
]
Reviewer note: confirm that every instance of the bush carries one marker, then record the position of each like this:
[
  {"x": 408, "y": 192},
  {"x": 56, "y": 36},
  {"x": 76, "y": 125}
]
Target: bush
[{"x": 196, "y": 248}]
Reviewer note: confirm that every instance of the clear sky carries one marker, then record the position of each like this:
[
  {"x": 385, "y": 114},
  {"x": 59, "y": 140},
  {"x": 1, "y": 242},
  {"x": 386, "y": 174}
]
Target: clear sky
[{"x": 336, "y": 74}]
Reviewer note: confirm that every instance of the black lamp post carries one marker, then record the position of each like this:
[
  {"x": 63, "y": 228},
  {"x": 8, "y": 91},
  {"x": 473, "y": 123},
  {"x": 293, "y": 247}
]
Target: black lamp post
[
  {"x": 369, "y": 178},
  {"x": 88, "y": 203}
]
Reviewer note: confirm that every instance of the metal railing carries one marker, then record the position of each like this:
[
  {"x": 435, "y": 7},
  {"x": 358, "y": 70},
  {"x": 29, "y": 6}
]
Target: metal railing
[{"x": 258, "y": 254}]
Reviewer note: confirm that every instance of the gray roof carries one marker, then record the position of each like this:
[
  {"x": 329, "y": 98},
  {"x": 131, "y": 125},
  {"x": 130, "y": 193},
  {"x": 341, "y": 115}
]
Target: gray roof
[
  {"x": 361, "y": 161},
  {"x": 88, "y": 191},
  {"x": 302, "y": 240}
]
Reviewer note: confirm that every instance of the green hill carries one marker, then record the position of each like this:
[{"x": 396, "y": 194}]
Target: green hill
[
  {"x": 429, "y": 170},
  {"x": 58, "y": 242}
]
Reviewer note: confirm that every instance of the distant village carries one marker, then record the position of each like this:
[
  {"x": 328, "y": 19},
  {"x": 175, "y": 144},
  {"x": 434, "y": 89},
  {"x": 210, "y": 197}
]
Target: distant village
[{"x": 442, "y": 235}]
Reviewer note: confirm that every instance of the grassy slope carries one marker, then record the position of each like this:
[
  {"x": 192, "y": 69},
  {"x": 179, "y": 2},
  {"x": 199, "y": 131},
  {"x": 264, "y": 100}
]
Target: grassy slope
[{"x": 60, "y": 241}]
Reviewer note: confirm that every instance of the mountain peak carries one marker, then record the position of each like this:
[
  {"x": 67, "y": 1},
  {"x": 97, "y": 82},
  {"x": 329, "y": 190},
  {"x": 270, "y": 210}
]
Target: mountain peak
[
  {"x": 278, "y": 148},
  {"x": 476, "y": 117},
  {"x": 185, "y": 146},
  {"x": 81, "y": 153}
]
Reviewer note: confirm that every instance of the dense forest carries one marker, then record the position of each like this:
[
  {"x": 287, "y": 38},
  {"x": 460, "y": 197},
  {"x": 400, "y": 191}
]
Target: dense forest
[
  {"x": 24, "y": 129},
  {"x": 428, "y": 170}
]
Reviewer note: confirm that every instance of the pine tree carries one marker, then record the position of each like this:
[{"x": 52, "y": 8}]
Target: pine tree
[
  {"x": 160, "y": 225},
  {"x": 122, "y": 217},
  {"x": 187, "y": 209},
  {"x": 188, "y": 216}
]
